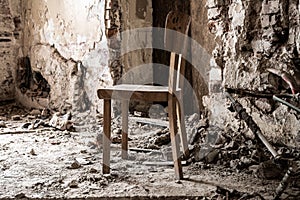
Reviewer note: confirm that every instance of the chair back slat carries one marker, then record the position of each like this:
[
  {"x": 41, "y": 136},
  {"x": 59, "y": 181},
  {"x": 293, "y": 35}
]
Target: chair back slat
[
  {"x": 176, "y": 22},
  {"x": 177, "y": 26}
]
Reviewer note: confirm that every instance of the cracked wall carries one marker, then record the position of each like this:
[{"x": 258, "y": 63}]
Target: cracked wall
[
  {"x": 10, "y": 36},
  {"x": 65, "y": 41},
  {"x": 257, "y": 48}
]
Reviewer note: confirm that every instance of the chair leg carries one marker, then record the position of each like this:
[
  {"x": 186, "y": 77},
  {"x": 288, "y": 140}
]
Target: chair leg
[
  {"x": 182, "y": 129},
  {"x": 106, "y": 136},
  {"x": 174, "y": 136},
  {"x": 125, "y": 106}
]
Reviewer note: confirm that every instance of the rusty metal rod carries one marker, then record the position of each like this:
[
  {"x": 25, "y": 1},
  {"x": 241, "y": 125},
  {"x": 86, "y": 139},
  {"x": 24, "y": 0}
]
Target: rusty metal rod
[
  {"x": 267, "y": 144},
  {"x": 256, "y": 130},
  {"x": 286, "y": 103},
  {"x": 283, "y": 184},
  {"x": 257, "y": 94},
  {"x": 251, "y": 124}
]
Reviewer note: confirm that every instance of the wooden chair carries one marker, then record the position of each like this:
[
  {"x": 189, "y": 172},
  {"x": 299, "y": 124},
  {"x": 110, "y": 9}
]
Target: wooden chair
[{"x": 172, "y": 94}]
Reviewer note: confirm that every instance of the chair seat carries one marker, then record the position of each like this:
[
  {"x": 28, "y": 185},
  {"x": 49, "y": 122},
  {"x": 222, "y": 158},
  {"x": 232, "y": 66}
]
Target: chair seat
[{"x": 135, "y": 92}]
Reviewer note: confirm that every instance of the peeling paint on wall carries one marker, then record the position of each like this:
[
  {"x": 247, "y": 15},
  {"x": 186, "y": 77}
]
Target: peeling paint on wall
[{"x": 65, "y": 42}]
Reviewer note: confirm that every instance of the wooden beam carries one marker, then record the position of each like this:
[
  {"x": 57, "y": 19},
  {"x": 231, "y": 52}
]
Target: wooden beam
[
  {"x": 156, "y": 122},
  {"x": 163, "y": 163}
]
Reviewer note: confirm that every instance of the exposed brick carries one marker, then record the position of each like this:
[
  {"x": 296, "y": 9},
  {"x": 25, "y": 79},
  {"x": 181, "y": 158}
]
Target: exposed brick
[{"x": 265, "y": 21}]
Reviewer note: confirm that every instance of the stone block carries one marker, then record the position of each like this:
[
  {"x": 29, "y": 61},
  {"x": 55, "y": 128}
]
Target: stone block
[
  {"x": 273, "y": 20},
  {"x": 215, "y": 3},
  {"x": 215, "y": 74},
  {"x": 266, "y": 46},
  {"x": 270, "y": 36},
  {"x": 215, "y": 87},
  {"x": 270, "y": 7},
  {"x": 235, "y": 9},
  {"x": 257, "y": 46},
  {"x": 214, "y": 13},
  {"x": 265, "y": 21}
]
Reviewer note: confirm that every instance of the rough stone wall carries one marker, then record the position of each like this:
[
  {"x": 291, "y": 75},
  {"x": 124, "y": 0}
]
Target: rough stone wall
[
  {"x": 257, "y": 43},
  {"x": 200, "y": 33},
  {"x": 10, "y": 36},
  {"x": 66, "y": 43},
  {"x": 113, "y": 30}
]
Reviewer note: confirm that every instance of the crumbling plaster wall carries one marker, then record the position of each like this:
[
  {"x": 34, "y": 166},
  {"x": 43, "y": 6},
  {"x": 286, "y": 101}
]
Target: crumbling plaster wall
[
  {"x": 125, "y": 17},
  {"x": 10, "y": 35},
  {"x": 66, "y": 43},
  {"x": 253, "y": 36},
  {"x": 205, "y": 39}
]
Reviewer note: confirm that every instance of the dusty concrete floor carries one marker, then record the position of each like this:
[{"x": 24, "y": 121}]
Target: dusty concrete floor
[{"x": 48, "y": 163}]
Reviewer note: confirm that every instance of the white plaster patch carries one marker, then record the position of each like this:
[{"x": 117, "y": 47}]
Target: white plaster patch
[{"x": 215, "y": 74}]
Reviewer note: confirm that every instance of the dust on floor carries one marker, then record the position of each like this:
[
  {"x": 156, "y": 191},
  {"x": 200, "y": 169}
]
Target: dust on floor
[{"x": 50, "y": 163}]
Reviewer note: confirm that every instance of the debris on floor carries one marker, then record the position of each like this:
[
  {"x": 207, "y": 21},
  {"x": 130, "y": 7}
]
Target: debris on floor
[
  {"x": 53, "y": 162},
  {"x": 62, "y": 122}
]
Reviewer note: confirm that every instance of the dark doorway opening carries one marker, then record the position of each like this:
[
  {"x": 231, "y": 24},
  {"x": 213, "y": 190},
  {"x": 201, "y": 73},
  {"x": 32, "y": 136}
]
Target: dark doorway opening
[{"x": 161, "y": 8}]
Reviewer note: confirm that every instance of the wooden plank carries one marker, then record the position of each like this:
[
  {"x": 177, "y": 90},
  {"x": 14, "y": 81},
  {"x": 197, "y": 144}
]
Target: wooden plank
[
  {"x": 172, "y": 72},
  {"x": 145, "y": 150},
  {"x": 156, "y": 122},
  {"x": 178, "y": 22},
  {"x": 125, "y": 105},
  {"x": 21, "y": 131},
  {"x": 134, "y": 95},
  {"x": 153, "y": 96},
  {"x": 106, "y": 136},
  {"x": 140, "y": 88},
  {"x": 174, "y": 138},
  {"x": 163, "y": 163}
]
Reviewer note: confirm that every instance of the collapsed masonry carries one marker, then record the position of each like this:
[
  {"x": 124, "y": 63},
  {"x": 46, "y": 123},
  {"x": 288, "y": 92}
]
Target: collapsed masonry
[{"x": 257, "y": 50}]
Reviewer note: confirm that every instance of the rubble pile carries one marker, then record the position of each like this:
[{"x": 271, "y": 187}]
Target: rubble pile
[
  {"x": 257, "y": 50},
  {"x": 237, "y": 151},
  {"x": 71, "y": 161},
  {"x": 16, "y": 119},
  {"x": 242, "y": 154}
]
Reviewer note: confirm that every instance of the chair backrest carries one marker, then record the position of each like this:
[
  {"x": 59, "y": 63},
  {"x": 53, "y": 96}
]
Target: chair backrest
[{"x": 177, "y": 26}]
